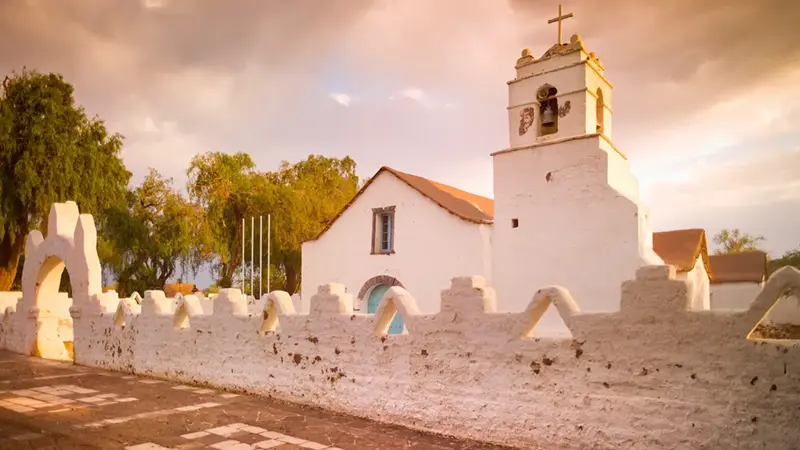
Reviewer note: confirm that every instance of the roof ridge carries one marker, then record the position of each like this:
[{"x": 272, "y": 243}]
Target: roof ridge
[
  {"x": 415, "y": 181},
  {"x": 437, "y": 183}
]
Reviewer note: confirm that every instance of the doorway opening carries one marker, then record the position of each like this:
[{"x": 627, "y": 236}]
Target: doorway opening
[{"x": 54, "y": 297}]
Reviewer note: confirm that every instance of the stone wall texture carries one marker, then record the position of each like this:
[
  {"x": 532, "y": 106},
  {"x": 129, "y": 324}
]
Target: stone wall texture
[{"x": 654, "y": 375}]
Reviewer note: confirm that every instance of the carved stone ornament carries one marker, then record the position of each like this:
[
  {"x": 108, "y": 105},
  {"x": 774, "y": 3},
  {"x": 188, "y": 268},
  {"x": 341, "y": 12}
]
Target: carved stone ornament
[
  {"x": 563, "y": 110},
  {"x": 525, "y": 59},
  {"x": 525, "y": 120}
]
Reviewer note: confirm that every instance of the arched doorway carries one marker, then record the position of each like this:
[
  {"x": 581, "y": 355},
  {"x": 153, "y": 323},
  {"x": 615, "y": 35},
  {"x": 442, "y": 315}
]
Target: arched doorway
[
  {"x": 55, "y": 335},
  {"x": 70, "y": 245},
  {"x": 373, "y": 291}
]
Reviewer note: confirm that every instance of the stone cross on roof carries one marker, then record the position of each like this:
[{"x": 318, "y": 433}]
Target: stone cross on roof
[{"x": 559, "y": 19}]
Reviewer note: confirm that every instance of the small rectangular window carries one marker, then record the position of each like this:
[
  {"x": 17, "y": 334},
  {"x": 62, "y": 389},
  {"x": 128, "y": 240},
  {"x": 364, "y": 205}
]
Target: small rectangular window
[
  {"x": 386, "y": 233},
  {"x": 383, "y": 230},
  {"x": 514, "y": 223}
]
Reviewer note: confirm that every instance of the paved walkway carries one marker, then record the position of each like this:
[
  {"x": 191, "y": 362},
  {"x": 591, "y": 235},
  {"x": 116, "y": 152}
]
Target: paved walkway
[{"x": 52, "y": 405}]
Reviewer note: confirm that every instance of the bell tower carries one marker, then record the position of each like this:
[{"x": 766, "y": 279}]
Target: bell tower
[
  {"x": 562, "y": 94},
  {"x": 567, "y": 208}
]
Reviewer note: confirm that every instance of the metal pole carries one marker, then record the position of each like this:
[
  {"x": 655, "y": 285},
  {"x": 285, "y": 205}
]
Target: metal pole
[
  {"x": 260, "y": 254},
  {"x": 252, "y": 252},
  {"x": 269, "y": 248},
  {"x": 243, "y": 224}
]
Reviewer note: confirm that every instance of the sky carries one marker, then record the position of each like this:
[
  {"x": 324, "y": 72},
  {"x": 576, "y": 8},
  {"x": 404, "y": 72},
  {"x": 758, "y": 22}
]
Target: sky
[{"x": 706, "y": 94}]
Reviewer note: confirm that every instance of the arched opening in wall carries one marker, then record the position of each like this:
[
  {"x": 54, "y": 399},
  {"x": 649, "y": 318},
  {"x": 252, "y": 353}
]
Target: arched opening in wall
[
  {"x": 548, "y": 110},
  {"x": 55, "y": 335},
  {"x": 782, "y": 321},
  {"x": 373, "y": 292},
  {"x": 600, "y": 110}
]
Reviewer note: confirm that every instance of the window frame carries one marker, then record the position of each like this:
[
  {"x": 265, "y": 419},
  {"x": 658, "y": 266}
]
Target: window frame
[{"x": 376, "y": 243}]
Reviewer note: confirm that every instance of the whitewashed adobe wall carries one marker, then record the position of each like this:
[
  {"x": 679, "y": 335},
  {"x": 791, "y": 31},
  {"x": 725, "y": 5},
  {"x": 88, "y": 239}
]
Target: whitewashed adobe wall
[
  {"x": 421, "y": 229},
  {"x": 729, "y": 296},
  {"x": 690, "y": 379},
  {"x": 737, "y": 296},
  {"x": 41, "y": 320},
  {"x": 653, "y": 375},
  {"x": 786, "y": 311},
  {"x": 9, "y": 299},
  {"x": 577, "y": 206},
  {"x": 700, "y": 287}
]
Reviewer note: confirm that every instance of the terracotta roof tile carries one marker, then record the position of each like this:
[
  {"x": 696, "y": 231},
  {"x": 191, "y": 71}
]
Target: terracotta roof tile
[
  {"x": 470, "y": 207},
  {"x": 739, "y": 267},
  {"x": 681, "y": 248}
]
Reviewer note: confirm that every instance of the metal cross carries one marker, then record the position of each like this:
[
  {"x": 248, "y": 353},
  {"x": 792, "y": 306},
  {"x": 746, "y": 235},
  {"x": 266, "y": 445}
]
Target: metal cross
[{"x": 559, "y": 19}]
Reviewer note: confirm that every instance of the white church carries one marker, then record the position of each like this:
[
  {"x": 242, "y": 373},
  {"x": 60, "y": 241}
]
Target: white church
[{"x": 566, "y": 211}]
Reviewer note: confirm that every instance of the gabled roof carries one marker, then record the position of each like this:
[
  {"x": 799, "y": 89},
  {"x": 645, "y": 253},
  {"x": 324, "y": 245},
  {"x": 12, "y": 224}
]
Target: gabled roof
[
  {"x": 681, "y": 248},
  {"x": 467, "y": 206},
  {"x": 462, "y": 204},
  {"x": 739, "y": 267}
]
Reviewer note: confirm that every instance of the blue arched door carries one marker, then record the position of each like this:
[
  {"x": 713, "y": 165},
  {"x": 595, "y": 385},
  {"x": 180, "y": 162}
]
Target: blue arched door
[{"x": 375, "y": 297}]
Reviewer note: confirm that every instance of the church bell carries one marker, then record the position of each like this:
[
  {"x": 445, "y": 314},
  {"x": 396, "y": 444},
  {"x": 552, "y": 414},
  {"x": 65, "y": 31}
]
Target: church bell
[{"x": 547, "y": 117}]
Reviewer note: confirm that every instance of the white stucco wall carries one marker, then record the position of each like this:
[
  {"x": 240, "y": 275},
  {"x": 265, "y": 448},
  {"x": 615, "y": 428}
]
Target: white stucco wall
[
  {"x": 739, "y": 296},
  {"x": 575, "y": 218},
  {"x": 734, "y": 295},
  {"x": 786, "y": 311},
  {"x": 687, "y": 380},
  {"x": 9, "y": 299},
  {"x": 430, "y": 245},
  {"x": 699, "y": 285},
  {"x": 43, "y": 322}
]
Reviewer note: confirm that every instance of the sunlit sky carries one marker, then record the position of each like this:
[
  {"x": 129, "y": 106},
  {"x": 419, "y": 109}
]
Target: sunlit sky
[{"x": 706, "y": 94}]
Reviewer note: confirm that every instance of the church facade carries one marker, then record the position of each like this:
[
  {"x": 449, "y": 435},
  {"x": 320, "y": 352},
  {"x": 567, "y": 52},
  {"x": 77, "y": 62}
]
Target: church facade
[
  {"x": 400, "y": 230},
  {"x": 563, "y": 194}
]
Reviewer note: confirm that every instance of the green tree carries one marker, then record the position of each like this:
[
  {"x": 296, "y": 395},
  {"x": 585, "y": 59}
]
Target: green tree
[
  {"x": 307, "y": 195},
  {"x": 790, "y": 258},
  {"x": 154, "y": 237},
  {"x": 302, "y": 198},
  {"x": 50, "y": 151},
  {"x": 734, "y": 241},
  {"x": 224, "y": 186}
]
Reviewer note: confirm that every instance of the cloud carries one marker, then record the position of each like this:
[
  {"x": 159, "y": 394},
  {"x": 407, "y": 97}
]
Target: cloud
[
  {"x": 685, "y": 57},
  {"x": 709, "y": 134},
  {"x": 414, "y": 94},
  {"x": 697, "y": 84},
  {"x": 342, "y": 99},
  {"x": 767, "y": 186},
  {"x": 148, "y": 126},
  {"x": 161, "y": 145},
  {"x": 756, "y": 179},
  {"x": 154, "y": 4}
]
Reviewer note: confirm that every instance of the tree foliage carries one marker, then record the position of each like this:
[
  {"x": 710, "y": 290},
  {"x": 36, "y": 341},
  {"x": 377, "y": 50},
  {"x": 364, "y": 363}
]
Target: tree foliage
[
  {"x": 310, "y": 194},
  {"x": 790, "y": 258},
  {"x": 153, "y": 238},
  {"x": 224, "y": 186},
  {"x": 302, "y": 198},
  {"x": 50, "y": 151},
  {"x": 734, "y": 241}
]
